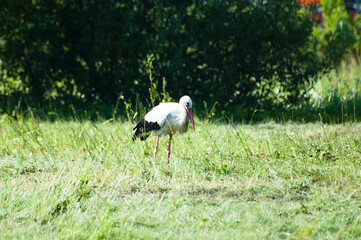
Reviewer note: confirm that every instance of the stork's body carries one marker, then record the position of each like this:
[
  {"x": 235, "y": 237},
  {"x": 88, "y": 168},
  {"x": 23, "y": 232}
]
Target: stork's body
[{"x": 165, "y": 119}]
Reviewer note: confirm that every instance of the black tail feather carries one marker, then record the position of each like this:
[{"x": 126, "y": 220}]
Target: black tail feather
[{"x": 143, "y": 128}]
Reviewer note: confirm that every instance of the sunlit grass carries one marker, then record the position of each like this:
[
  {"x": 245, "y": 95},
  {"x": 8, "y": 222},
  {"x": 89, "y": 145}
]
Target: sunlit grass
[
  {"x": 342, "y": 84},
  {"x": 81, "y": 180}
]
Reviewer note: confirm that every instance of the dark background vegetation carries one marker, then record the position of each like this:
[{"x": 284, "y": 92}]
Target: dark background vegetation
[{"x": 92, "y": 55}]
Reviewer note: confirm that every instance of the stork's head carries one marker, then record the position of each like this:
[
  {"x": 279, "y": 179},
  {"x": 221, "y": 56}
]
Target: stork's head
[{"x": 186, "y": 102}]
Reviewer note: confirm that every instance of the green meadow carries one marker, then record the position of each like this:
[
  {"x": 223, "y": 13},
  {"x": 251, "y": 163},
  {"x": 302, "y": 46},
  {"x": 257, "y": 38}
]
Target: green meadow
[{"x": 89, "y": 180}]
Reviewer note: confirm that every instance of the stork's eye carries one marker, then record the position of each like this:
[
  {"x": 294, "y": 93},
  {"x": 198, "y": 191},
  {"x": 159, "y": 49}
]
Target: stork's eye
[{"x": 187, "y": 104}]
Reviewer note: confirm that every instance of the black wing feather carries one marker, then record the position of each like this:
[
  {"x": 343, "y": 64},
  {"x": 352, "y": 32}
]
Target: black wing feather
[{"x": 144, "y": 127}]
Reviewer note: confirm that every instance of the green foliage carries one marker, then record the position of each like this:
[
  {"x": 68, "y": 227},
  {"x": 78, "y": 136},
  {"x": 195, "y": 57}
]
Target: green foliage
[
  {"x": 239, "y": 52},
  {"x": 339, "y": 34},
  {"x": 336, "y": 96},
  {"x": 71, "y": 51}
]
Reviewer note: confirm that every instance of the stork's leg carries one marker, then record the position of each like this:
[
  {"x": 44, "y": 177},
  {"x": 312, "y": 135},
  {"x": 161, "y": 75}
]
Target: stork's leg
[
  {"x": 156, "y": 149},
  {"x": 168, "y": 150}
]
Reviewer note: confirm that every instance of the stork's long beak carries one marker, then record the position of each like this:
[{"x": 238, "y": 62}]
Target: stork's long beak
[{"x": 190, "y": 114}]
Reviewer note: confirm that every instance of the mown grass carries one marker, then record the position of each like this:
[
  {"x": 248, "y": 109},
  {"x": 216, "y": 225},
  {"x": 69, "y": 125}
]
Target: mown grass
[{"x": 85, "y": 180}]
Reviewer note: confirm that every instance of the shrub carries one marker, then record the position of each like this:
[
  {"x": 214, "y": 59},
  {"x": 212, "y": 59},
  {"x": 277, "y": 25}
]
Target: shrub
[{"x": 236, "y": 52}]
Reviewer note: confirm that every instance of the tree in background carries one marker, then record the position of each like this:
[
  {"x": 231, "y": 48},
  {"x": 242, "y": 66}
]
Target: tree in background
[
  {"x": 236, "y": 52},
  {"x": 339, "y": 33},
  {"x": 72, "y": 50}
]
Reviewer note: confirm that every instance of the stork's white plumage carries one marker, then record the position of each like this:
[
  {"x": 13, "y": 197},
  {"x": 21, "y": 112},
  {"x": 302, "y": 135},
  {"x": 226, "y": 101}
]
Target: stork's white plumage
[{"x": 165, "y": 119}]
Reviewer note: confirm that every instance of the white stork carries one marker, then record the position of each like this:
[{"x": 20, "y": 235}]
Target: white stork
[{"x": 165, "y": 119}]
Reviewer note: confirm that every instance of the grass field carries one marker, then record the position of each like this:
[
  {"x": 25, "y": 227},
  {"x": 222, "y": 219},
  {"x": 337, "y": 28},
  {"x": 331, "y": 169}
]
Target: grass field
[{"x": 84, "y": 180}]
